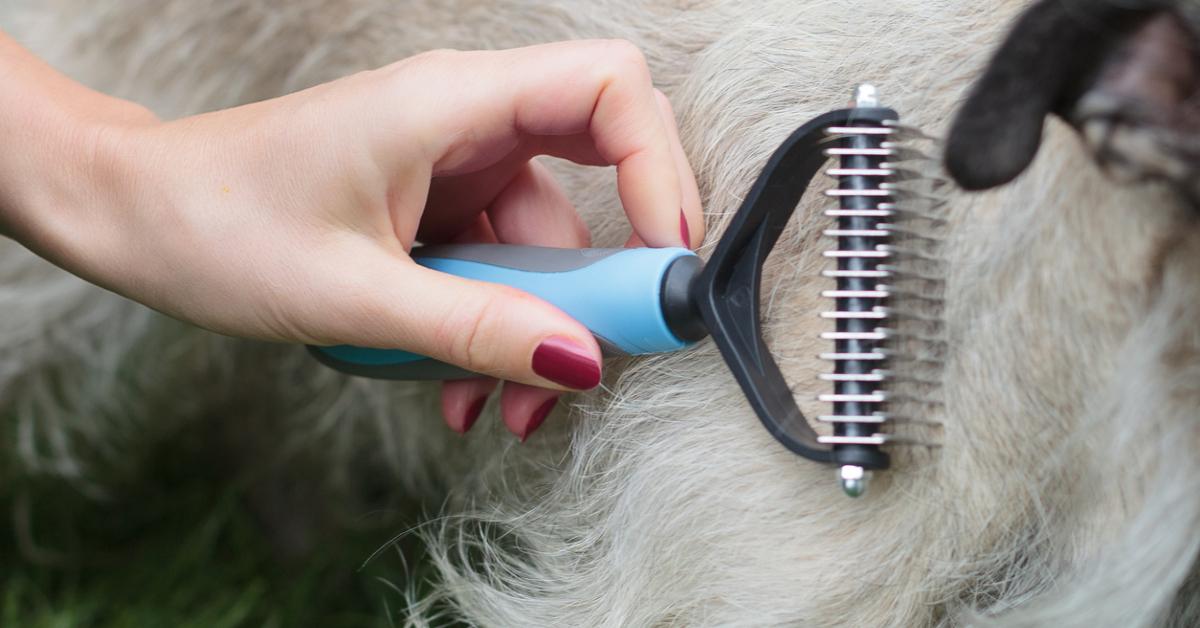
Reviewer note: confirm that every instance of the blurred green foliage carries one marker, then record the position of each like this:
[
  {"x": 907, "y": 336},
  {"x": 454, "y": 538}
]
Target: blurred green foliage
[{"x": 188, "y": 550}]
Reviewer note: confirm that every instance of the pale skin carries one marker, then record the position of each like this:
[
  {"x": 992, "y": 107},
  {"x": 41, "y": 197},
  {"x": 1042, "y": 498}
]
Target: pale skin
[{"x": 291, "y": 219}]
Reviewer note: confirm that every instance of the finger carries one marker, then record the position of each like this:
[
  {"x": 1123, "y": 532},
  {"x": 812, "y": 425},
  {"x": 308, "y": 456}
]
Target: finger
[
  {"x": 525, "y": 408},
  {"x": 486, "y": 328},
  {"x": 602, "y": 88},
  {"x": 480, "y": 231},
  {"x": 691, "y": 219},
  {"x": 579, "y": 148},
  {"x": 455, "y": 201},
  {"x": 533, "y": 210},
  {"x": 463, "y": 401}
]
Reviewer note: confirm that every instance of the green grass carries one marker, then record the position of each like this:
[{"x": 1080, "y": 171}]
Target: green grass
[{"x": 186, "y": 552}]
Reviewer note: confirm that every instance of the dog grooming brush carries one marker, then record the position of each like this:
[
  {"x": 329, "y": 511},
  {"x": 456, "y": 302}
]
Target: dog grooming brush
[{"x": 639, "y": 301}]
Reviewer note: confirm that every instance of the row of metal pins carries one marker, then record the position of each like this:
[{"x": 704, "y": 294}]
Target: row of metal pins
[{"x": 864, "y": 207}]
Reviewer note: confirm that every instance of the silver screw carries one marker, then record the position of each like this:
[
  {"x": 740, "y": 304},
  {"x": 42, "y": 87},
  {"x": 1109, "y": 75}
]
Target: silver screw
[{"x": 854, "y": 480}]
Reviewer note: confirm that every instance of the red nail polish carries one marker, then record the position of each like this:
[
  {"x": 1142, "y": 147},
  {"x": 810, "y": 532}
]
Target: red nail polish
[
  {"x": 563, "y": 362},
  {"x": 473, "y": 413},
  {"x": 683, "y": 230},
  {"x": 538, "y": 417}
]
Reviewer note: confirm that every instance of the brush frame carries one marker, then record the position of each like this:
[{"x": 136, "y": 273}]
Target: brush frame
[{"x": 727, "y": 292}]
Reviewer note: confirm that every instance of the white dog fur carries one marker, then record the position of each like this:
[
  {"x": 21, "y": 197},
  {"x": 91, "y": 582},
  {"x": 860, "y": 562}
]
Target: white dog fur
[{"x": 1065, "y": 491}]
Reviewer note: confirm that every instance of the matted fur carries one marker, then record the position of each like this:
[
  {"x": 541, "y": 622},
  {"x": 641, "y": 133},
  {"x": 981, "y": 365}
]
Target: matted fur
[{"x": 1065, "y": 492}]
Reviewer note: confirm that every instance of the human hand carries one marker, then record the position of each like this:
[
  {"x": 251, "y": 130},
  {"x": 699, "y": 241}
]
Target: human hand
[{"x": 292, "y": 219}]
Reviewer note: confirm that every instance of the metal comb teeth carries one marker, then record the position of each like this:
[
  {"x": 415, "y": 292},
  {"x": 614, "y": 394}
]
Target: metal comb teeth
[{"x": 888, "y": 294}]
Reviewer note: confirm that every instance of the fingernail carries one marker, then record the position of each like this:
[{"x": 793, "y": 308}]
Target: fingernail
[
  {"x": 473, "y": 413},
  {"x": 564, "y": 362},
  {"x": 538, "y": 417},
  {"x": 683, "y": 230}
]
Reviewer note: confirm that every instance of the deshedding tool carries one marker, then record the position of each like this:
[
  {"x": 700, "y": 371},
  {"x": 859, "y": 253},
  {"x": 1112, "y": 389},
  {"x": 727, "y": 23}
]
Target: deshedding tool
[{"x": 639, "y": 301}]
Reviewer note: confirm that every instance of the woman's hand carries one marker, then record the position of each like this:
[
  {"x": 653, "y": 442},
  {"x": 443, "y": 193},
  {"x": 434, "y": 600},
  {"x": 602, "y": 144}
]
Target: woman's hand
[{"x": 292, "y": 219}]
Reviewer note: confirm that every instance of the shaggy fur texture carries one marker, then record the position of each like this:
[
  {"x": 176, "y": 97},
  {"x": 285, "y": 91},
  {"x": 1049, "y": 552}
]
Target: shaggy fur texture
[{"x": 1064, "y": 492}]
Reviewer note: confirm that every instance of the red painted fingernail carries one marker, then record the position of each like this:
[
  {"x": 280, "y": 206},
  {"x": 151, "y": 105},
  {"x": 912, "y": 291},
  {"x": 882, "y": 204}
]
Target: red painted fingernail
[
  {"x": 538, "y": 417},
  {"x": 683, "y": 230},
  {"x": 473, "y": 413},
  {"x": 563, "y": 362}
]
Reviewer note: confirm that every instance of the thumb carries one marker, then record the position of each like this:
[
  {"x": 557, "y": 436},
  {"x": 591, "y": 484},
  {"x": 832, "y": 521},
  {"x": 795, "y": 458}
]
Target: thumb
[{"x": 485, "y": 328}]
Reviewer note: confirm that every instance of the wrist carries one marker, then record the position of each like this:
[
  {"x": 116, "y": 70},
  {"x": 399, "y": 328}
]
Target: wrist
[{"x": 64, "y": 183}]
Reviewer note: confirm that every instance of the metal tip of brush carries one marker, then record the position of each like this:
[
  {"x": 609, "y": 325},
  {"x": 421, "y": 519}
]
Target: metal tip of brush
[
  {"x": 853, "y": 480},
  {"x": 865, "y": 95}
]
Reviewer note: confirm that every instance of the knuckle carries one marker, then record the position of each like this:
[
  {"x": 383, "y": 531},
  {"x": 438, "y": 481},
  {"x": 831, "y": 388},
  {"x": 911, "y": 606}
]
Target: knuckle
[
  {"x": 434, "y": 57},
  {"x": 474, "y": 333},
  {"x": 421, "y": 64},
  {"x": 454, "y": 333},
  {"x": 626, "y": 58},
  {"x": 138, "y": 114}
]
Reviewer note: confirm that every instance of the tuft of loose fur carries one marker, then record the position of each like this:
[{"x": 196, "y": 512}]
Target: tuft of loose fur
[{"x": 1064, "y": 492}]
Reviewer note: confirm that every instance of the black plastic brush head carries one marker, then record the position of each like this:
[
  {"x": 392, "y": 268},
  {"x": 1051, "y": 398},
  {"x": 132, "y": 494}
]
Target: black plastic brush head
[{"x": 727, "y": 291}]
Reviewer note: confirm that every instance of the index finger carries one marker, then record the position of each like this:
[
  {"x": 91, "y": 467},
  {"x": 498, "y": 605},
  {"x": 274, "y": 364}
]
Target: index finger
[{"x": 598, "y": 88}]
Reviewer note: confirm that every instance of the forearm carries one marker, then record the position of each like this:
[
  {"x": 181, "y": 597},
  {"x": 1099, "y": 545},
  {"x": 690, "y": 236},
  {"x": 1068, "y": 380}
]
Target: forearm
[{"x": 55, "y": 155}]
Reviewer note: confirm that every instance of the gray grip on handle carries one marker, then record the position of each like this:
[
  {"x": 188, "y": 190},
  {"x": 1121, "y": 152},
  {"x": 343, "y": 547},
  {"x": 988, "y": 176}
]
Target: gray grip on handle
[{"x": 532, "y": 258}]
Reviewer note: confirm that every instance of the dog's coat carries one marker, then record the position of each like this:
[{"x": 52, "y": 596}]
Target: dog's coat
[{"x": 1066, "y": 488}]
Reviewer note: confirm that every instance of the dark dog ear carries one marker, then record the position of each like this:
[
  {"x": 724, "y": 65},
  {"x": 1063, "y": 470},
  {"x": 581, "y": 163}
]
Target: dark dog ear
[{"x": 1084, "y": 60}]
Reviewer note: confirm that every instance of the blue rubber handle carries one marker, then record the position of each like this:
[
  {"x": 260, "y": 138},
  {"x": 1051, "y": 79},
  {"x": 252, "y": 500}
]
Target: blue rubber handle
[{"x": 615, "y": 293}]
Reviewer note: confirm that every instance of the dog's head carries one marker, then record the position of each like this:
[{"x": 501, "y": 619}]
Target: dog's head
[{"x": 1124, "y": 73}]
